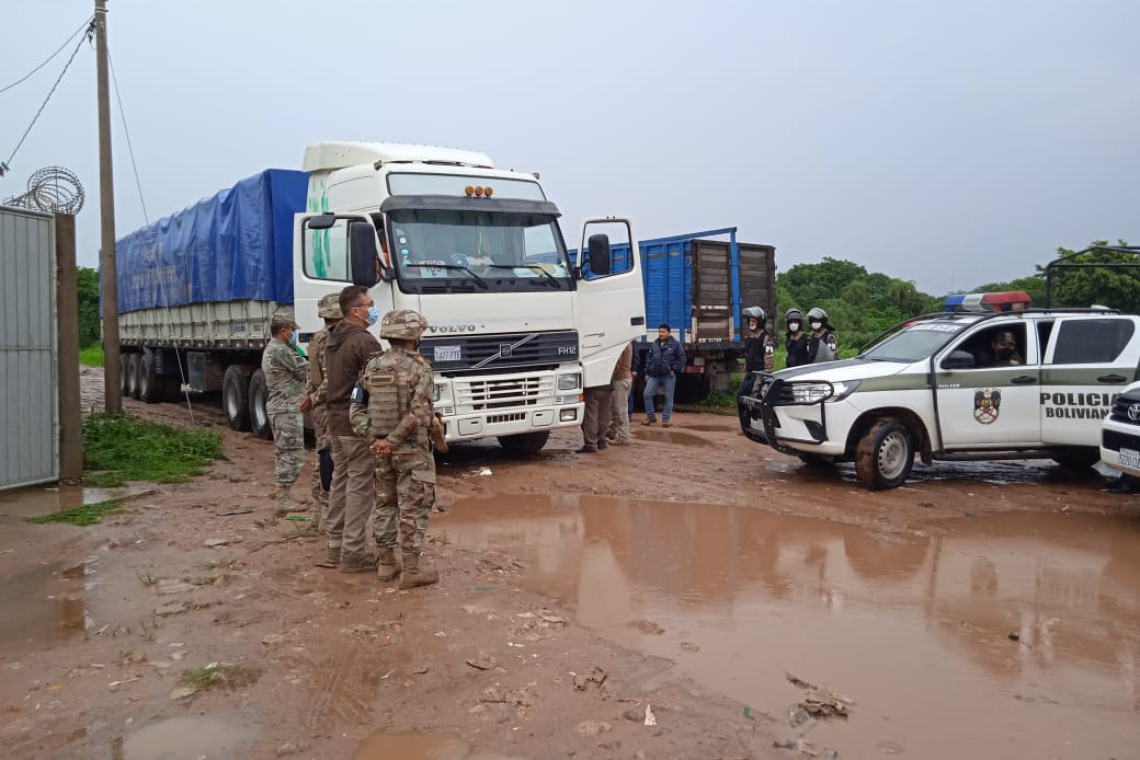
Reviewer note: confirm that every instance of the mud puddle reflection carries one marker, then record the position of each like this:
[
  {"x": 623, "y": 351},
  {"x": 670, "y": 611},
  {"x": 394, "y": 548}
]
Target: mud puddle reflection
[
  {"x": 670, "y": 436},
  {"x": 46, "y": 603},
  {"x": 915, "y": 629},
  {"x": 30, "y": 502},
  {"x": 184, "y": 737},
  {"x": 385, "y": 746}
]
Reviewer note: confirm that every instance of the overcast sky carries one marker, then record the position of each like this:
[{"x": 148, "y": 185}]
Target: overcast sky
[{"x": 947, "y": 143}]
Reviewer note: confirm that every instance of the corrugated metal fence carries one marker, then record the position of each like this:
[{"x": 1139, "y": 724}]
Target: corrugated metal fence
[{"x": 29, "y": 448}]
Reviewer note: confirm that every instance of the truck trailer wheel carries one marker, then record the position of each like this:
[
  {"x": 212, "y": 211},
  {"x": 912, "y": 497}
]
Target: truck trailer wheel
[
  {"x": 124, "y": 374},
  {"x": 884, "y": 455},
  {"x": 152, "y": 387},
  {"x": 258, "y": 398},
  {"x": 235, "y": 397},
  {"x": 524, "y": 443},
  {"x": 132, "y": 375}
]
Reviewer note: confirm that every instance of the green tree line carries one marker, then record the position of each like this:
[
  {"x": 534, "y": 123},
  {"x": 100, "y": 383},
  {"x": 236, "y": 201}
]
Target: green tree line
[{"x": 90, "y": 331}]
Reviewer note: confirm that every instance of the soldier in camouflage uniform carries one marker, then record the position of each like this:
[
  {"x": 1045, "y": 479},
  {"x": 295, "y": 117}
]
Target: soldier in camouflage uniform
[
  {"x": 285, "y": 370},
  {"x": 392, "y": 409},
  {"x": 316, "y": 402}
]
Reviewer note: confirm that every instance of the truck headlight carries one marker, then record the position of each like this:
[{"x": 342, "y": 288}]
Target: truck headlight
[
  {"x": 810, "y": 393},
  {"x": 842, "y": 390},
  {"x": 569, "y": 382},
  {"x": 442, "y": 391}
]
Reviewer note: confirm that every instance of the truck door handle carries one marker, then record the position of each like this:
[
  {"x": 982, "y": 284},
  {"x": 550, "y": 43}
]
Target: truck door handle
[
  {"x": 1112, "y": 379},
  {"x": 1024, "y": 380},
  {"x": 637, "y": 320}
]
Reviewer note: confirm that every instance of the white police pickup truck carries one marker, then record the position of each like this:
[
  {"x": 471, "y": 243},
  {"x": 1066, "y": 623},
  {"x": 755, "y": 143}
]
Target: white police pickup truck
[
  {"x": 1120, "y": 433},
  {"x": 989, "y": 379}
]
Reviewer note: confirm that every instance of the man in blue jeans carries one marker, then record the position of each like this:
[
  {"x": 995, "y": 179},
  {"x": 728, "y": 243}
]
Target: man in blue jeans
[{"x": 664, "y": 359}]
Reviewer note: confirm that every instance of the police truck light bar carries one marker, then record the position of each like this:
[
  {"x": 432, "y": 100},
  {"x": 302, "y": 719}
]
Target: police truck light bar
[{"x": 1012, "y": 300}]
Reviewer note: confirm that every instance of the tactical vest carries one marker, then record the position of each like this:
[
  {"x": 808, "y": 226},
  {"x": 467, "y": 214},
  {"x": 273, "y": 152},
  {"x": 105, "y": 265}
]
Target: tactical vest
[{"x": 389, "y": 397}]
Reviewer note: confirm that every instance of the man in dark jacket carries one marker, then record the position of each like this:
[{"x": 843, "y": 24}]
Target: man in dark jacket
[
  {"x": 759, "y": 355},
  {"x": 664, "y": 359},
  {"x": 353, "y": 493}
]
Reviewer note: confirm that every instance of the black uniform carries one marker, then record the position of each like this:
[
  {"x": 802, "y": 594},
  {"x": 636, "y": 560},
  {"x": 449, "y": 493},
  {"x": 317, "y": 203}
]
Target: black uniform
[{"x": 799, "y": 349}]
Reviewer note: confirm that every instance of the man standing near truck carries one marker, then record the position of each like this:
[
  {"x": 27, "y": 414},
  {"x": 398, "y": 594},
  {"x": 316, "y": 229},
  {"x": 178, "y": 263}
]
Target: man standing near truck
[
  {"x": 759, "y": 355},
  {"x": 285, "y": 370},
  {"x": 392, "y": 412},
  {"x": 664, "y": 359},
  {"x": 353, "y": 493},
  {"x": 316, "y": 401}
]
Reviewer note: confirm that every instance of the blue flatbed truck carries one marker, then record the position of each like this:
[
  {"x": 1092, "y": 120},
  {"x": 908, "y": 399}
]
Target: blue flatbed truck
[{"x": 697, "y": 284}]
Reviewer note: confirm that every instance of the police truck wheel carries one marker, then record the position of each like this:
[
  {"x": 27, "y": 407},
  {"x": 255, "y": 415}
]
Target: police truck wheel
[
  {"x": 884, "y": 455},
  {"x": 152, "y": 387},
  {"x": 235, "y": 397},
  {"x": 258, "y": 398},
  {"x": 524, "y": 443},
  {"x": 132, "y": 375}
]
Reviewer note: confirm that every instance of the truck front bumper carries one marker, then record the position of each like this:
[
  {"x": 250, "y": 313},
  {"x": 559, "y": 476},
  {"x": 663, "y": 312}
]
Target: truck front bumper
[{"x": 794, "y": 428}]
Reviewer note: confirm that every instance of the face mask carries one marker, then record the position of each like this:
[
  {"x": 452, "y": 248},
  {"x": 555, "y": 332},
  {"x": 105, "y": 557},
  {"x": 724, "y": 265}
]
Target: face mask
[
  {"x": 816, "y": 325},
  {"x": 793, "y": 327},
  {"x": 293, "y": 339},
  {"x": 753, "y": 325},
  {"x": 1004, "y": 353},
  {"x": 373, "y": 314}
]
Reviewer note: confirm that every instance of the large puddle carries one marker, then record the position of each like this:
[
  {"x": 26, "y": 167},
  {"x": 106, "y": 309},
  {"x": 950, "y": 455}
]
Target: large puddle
[
  {"x": 30, "y": 502},
  {"x": 45, "y": 603},
  {"x": 184, "y": 737},
  {"x": 917, "y": 630}
]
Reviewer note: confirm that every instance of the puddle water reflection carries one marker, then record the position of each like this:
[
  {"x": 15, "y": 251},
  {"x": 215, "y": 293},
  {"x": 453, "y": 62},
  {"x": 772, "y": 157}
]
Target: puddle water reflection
[
  {"x": 671, "y": 436},
  {"x": 385, "y": 746},
  {"x": 916, "y": 629},
  {"x": 41, "y": 501},
  {"x": 184, "y": 737},
  {"x": 45, "y": 603}
]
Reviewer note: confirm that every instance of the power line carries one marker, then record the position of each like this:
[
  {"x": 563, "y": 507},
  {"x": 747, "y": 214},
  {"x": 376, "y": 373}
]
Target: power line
[
  {"x": 5, "y": 165},
  {"x": 127, "y": 132},
  {"x": 28, "y": 76}
]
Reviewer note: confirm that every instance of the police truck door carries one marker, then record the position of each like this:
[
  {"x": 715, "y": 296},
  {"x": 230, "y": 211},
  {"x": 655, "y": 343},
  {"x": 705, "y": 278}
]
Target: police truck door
[
  {"x": 1088, "y": 362},
  {"x": 992, "y": 404}
]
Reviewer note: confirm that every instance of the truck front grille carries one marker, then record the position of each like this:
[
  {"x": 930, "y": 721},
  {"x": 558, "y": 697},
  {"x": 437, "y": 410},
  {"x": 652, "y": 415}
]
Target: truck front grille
[{"x": 505, "y": 393}]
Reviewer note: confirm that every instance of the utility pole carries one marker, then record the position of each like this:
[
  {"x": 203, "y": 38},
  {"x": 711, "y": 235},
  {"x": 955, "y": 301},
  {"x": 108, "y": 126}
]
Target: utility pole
[{"x": 112, "y": 370}]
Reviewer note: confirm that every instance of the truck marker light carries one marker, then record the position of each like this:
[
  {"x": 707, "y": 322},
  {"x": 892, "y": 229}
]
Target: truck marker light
[
  {"x": 488, "y": 191},
  {"x": 469, "y": 190},
  {"x": 478, "y": 192}
]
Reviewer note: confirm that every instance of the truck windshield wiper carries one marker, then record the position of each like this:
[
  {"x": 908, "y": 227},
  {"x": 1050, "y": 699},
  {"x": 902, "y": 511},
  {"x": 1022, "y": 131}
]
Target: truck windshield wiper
[
  {"x": 532, "y": 267},
  {"x": 482, "y": 283}
]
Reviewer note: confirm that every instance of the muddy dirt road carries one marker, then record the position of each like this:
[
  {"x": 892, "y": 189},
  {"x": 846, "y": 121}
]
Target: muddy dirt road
[{"x": 987, "y": 611}]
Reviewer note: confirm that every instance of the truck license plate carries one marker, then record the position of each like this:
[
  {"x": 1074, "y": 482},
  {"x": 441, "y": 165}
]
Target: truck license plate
[
  {"x": 1130, "y": 458},
  {"x": 447, "y": 353}
]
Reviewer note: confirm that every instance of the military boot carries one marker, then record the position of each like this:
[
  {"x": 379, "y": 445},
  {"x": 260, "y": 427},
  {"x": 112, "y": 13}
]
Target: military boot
[
  {"x": 417, "y": 572},
  {"x": 387, "y": 569},
  {"x": 332, "y": 557},
  {"x": 284, "y": 500},
  {"x": 358, "y": 563}
]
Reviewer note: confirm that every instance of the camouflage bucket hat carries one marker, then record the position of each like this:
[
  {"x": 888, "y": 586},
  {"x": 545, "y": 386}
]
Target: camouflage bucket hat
[
  {"x": 284, "y": 316},
  {"x": 329, "y": 307},
  {"x": 403, "y": 324}
]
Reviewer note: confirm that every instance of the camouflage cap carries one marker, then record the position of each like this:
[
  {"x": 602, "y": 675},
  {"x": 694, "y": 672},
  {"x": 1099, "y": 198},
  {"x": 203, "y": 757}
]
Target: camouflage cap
[
  {"x": 1005, "y": 338},
  {"x": 283, "y": 317},
  {"x": 403, "y": 324},
  {"x": 329, "y": 306}
]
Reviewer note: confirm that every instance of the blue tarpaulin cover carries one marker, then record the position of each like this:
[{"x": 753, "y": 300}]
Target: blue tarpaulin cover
[{"x": 234, "y": 246}]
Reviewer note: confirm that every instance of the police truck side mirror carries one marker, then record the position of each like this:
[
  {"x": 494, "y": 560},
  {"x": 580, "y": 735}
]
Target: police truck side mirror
[
  {"x": 599, "y": 255},
  {"x": 362, "y": 253},
  {"x": 959, "y": 360},
  {"x": 322, "y": 222}
]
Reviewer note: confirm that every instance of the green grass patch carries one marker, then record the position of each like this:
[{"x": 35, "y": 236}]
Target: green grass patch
[
  {"x": 216, "y": 676},
  {"x": 92, "y": 356},
  {"x": 88, "y": 514},
  {"x": 121, "y": 448}
]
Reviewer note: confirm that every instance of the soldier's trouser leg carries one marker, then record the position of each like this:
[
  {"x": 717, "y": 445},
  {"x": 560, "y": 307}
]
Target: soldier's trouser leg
[
  {"x": 619, "y": 416},
  {"x": 415, "y": 489},
  {"x": 288, "y": 446},
  {"x": 385, "y": 517},
  {"x": 318, "y": 485},
  {"x": 360, "y": 493},
  {"x": 337, "y": 494}
]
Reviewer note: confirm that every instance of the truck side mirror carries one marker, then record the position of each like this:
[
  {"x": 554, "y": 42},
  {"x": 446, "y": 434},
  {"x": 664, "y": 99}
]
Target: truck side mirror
[
  {"x": 959, "y": 360},
  {"x": 363, "y": 257},
  {"x": 599, "y": 255},
  {"x": 321, "y": 222}
]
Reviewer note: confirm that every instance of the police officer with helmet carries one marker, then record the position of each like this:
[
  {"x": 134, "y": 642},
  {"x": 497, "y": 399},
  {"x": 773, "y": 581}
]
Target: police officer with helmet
[
  {"x": 823, "y": 345},
  {"x": 759, "y": 354},
  {"x": 796, "y": 340},
  {"x": 392, "y": 410}
]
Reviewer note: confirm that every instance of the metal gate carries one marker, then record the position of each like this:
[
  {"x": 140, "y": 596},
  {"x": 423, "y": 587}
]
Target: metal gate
[{"x": 29, "y": 441}]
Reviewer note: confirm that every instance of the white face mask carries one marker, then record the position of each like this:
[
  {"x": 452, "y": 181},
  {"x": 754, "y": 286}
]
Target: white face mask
[
  {"x": 793, "y": 327},
  {"x": 816, "y": 325}
]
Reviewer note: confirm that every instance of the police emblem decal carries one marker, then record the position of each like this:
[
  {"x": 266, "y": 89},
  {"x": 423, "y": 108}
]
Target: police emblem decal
[{"x": 987, "y": 405}]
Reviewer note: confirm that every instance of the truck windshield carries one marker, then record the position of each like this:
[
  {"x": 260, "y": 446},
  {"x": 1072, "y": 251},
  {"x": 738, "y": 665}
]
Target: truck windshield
[
  {"x": 439, "y": 251},
  {"x": 915, "y": 342}
]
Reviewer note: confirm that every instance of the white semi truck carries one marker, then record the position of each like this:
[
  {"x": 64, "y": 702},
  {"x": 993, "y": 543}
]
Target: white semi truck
[{"x": 516, "y": 331}]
